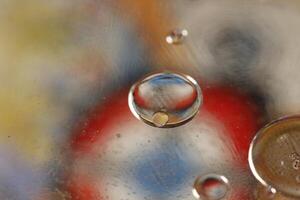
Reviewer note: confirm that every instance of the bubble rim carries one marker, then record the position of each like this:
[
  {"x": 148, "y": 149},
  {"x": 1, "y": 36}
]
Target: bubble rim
[
  {"x": 201, "y": 179},
  {"x": 250, "y": 154},
  {"x": 186, "y": 77}
]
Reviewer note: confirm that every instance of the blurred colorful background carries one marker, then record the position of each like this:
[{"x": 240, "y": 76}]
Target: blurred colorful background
[{"x": 66, "y": 68}]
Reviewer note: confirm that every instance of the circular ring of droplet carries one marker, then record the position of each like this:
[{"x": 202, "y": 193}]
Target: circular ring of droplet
[
  {"x": 165, "y": 99},
  {"x": 274, "y": 155},
  {"x": 211, "y": 187}
]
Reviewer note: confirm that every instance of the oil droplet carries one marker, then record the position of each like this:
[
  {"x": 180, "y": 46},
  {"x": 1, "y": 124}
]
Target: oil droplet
[
  {"x": 293, "y": 156},
  {"x": 262, "y": 193},
  {"x": 160, "y": 119},
  {"x": 296, "y": 164},
  {"x": 211, "y": 187},
  {"x": 177, "y": 36},
  {"x": 165, "y": 99},
  {"x": 277, "y": 141},
  {"x": 270, "y": 192}
]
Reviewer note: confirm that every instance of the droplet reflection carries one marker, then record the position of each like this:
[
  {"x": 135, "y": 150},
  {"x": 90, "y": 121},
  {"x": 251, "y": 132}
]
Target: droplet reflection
[
  {"x": 165, "y": 99},
  {"x": 211, "y": 187}
]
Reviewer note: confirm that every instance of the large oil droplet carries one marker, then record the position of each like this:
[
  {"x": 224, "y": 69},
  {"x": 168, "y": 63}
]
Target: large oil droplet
[
  {"x": 274, "y": 155},
  {"x": 176, "y": 36},
  {"x": 165, "y": 99},
  {"x": 211, "y": 187}
]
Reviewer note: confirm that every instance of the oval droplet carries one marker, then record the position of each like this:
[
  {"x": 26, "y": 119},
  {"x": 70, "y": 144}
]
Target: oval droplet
[
  {"x": 165, "y": 99},
  {"x": 296, "y": 164},
  {"x": 211, "y": 187},
  {"x": 277, "y": 141},
  {"x": 176, "y": 36}
]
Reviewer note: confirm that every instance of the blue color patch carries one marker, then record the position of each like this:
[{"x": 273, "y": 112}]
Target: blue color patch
[
  {"x": 162, "y": 172},
  {"x": 167, "y": 79}
]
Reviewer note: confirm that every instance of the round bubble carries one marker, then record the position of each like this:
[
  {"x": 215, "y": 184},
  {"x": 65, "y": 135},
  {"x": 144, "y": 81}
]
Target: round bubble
[
  {"x": 211, "y": 187},
  {"x": 274, "y": 155},
  {"x": 165, "y": 99}
]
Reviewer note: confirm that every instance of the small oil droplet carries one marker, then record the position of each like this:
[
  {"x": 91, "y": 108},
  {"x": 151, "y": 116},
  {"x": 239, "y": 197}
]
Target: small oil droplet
[
  {"x": 177, "y": 36},
  {"x": 160, "y": 119},
  {"x": 211, "y": 187},
  {"x": 296, "y": 164},
  {"x": 270, "y": 192},
  {"x": 262, "y": 192},
  {"x": 165, "y": 100}
]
